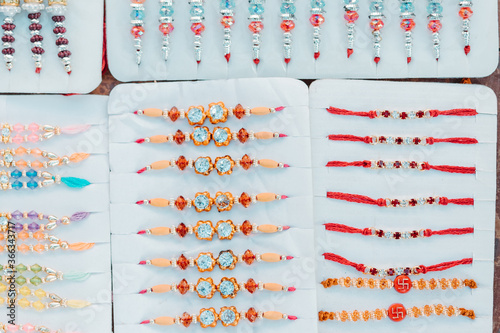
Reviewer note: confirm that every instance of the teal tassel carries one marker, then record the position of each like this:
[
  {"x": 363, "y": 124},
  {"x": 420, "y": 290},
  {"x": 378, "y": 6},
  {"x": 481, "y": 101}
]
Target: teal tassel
[
  {"x": 76, "y": 276},
  {"x": 75, "y": 182}
]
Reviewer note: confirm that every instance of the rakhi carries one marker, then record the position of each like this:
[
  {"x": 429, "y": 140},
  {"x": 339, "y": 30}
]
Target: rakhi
[
  {"x": 287, "y": 11},
  {"x": 422, "y": 166},
  {"x": 403, "y": 115},
  {"x": 351, "y": 15},
  {"x": 401, "y": 140},
  {"x": 256, "y": 10},
  {"x": 36, "y": 179},
  {"x": 52, "y": 221},
  {"x": 51, "y": 275},
  {"x": 422, "y": 233},
  {"x": 415, "y": 270},
  {"x": 376, "y": 24},
  {"x": 216, "y": 113},
  {"x": 137, "y": 20},
  {"x": 58, "y": 9},
  {"x": 465, "y": 13},
  {"x": 7, "y": 158},
  {"x": 205, "y": 287},
  {"x": 413, "y": 202},
  {"x": 227, "y": 20},
  {"x": 401, "y": 284},
  {"x": 434, "y": 11},
  {"x": 166, "y": 25},
  {"x": 206, "y": 262},
  {"x": 53, "y": 245},
  {"x": 203, "y": 165},
  {"x": 201, "y": 136},
  {"x": 197, "y": 27},
  {"x": 52, "y": 302},
  {"x": 316, "y": 20},
  {"x": 9, "y": 8},
  {"x": 34, "y": 9},
  {"x": 202, "y": 201},
  {"x": 27, "y": 328},
  {"x": 397, "y": 312},
  {"x": 205, "y": 230},
  {"x": 228, "y": 316},
  {"x": 407, "y": 9},
  {"x": 36, "y": 132}
]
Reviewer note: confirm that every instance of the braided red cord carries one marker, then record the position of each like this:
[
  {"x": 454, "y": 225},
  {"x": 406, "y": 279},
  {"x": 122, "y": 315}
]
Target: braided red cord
[
  {"x": 462, "y": 202},
  {"x": 453, "y": 231},
  {"x": 344, "y": 112},
  {"x": 445, "y": 265},
  {"x": 450, "y": 168},
  {"x": 348, "y": 137},
  {"x": 364, "y": 164},
  {"x": 344, "y": 228},
  {"x": 343, "y": 261},
  {"x": 462, "y": 141},
  {"x": 354, "y": 198},
  {"x": 454, "y": 112}
]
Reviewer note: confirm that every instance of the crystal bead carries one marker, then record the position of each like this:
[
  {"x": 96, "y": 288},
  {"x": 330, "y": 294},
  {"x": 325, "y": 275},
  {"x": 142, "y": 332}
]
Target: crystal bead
[
  {"x": 226, "y": 288},
  {"x": 204, "y": 288},
  {"x": 207, "y": 317},
  {"x": 226, "y": 259}
]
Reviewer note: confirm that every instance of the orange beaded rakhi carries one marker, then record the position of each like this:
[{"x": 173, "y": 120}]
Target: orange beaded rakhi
[
  {"x": 216, "y": 113},
  {"x": 203, "y": 165},
  {"x": 8, "y": 158}
]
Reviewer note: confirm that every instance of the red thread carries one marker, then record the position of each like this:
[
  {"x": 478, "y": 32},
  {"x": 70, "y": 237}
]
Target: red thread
[
  {"x": 446, "y": 265},
  {"x": 348, "y": 137},
  {"x": 344, "y": 261},
  {"x": 339, "y": 164},
  {"x": 462, "y": 202},
  {"x": 352, "y": 198},
  {"x": 452, "y": 169},
  {"x": 428, "y": 140},
  {"x": 343, "y": 228},
  {"x": 455, "y": 112},
  {"x": 336, "y": 227},
  {"x": 453, "y": 231},
  {"x": 462, "y": 141},
  {"x": 344, "y": 112},
  {"x": 425, "y": 166},
  {"x": 373, "y": 114}
]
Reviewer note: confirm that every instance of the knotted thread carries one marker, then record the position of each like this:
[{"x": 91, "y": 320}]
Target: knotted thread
[
  {"x": 425, "y": 166},
  {"x": 373, "y": 114}
]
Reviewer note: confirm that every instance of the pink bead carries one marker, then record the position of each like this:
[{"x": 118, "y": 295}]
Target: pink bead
[
  {"x": 166, "y": 28},
  {"x": 351, "y": 16},
  {"x": 18, "y": 128},
  {"x": 11, "y": 328},
  {"x": 317, "y": 20},
  {"x": 137, "y": 31},
  {"x": 197, "y": 28},
  {"x": 18, "y": 139},
  {"x": 28, "y": 328},
  {"x": 33, "y": 127},
  {"x": 33, "y": 138}
]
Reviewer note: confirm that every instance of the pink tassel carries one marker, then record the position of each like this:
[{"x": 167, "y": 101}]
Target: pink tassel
[{"x": 75, "y": 129}]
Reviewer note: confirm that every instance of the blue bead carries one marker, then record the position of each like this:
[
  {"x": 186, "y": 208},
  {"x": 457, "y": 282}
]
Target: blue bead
[
  {"x": 256, "y": 9},
  {"x": 317, "y": 3},
  {"x": 217, "y": 112},
  {"x": 227, "y": 4},
  {"x": 224, "y": 229},
  {"x": 434, "y": 8},
  {"x": 223, "y": 165},
  {"x": 207, "y": 317},
  {"x": 228, "y": 317},
  {"x": 32, "y": 184},
  {"x": 204, "y": 261},
  {"x": 287, "y": 8},
  {"x": 376, "y": 7},
  {"x": 5, "y": 131},
  {"x": 200, "y": 134},
  {"x": 226, "y": 259},
  {"x": 222, "y": 201},
  {"x": 3, "y": 221},
  {"x": 202, "y": 165},
  {"x": 137, "y": 15},
  {"x": 347, "y": 2},
  {"x": 220, "y": 135},
  {"x": 226, "y": 288},
  {"x": 31, "y": 173},
  {"x": 16, "y": 174},
  {"x": 195, "y": 115},
  {"x": 17, "y": 185},
  {"x": 197, "y": 11},
  {"x": 204, "y": 230},
  {"x": 201, "y": 201},
  {"x": 204, "y": 288},
  {"x": 166, "y": 11},
  {"x": 8, "y": 158},
  {"x": 407, "y": 7},
  {"x": 4, "y": 179}
]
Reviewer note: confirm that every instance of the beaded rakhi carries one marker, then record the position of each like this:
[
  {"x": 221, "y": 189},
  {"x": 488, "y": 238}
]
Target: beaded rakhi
[
  {"x": 403, "y": 165},
  {"x": 9, "y": 158},
  {"x": 316, "y": 20},
  {"x": 9, "y": 8},
  {"x": 227, "y": 21},
  {"x": 34, "y": 9},
  {"x": 197, "y": 27},
  {"x": 401, "y": 140},
  {"x": 166, "y": 25},
  {"x": 465, "y": 12},
  {"x": 407, "y": 14},
  {"x": 34, "y": 133},
  {"x": 58, "y": 10},
  {"x": 287, "y": 11},
  {"x": 256, "y": 16},
  {"x": 137, "y": 20},
  {"x": 351, "y": 15}
]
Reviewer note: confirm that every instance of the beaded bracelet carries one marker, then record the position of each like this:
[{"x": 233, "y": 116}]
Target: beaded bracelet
[
  {"x": 52, "y": 221},
  {"x": 414, "y": 202},
  {"x": 465, "y": 12},
  {"x": 402, "y": 284},
  {"x": 51, "y": 275},
  {"x": 400, "y": 140},
  {"x": 9, "y": 8},
  {"x": 422, "y": 233},
  {"x": 422, "y": 166},
  {"x": 203, "y": 165},
  {"x": 351, "y": 15},
  {"x": 34, "y": 9},
  {"x": 287, "y": 10},
  {"x": 205, "y": 261},
  {"x": 216, "y": 113},
  {"x": 58, "y": 9},
  {"x": 205, "y": 287},
  {"x": 202, "y": 201},
  {"x": 376, "y": 24},
  {"x": 416, "y": 270},
  {"x": 36, "y": 132},
  {"x": 52, "y": 160},
  {"x": 317, "y": 19},
  {"x": 227, "y": 20},
  {"x": 204, "y": 230},
  {"x": 197, "y": 26},
  {"x": 256, "y": 11},
  {"x": 403, "y": 115},
  {"x": 53, "y": 301},
  {"x": 36, "y": 179},
  {"x": 222, "y": 136},
  {"x": 27, "y": 328},
  {"x": 397, "y": 312},
  {"x": 228, "y": 316}
]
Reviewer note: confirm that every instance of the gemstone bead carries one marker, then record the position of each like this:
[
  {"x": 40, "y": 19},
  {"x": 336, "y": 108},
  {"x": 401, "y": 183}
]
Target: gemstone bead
[
  {"x": 222, "y": 201},
  {"x": 251, "y": 286},
  {"x": 33, "y": 226},
  {"x": 180, "y": 203},
  {"x": 204, "y": 288},
  {"x": 287, "y": 25},
  {"x": 3, "y": 221},
  {"x": 256, "y": 9},
  {"x": 32, "y": 184},
  {"x": 201, "y": 201},
  {"x": 173, "y": 113},
  {"x": 166, "y": 28},
  {"x": 207, "y": 317},
  {"x": 407, "y": 7},
  {"x": 197, "y": 28},
  {"x": 434, "y": 25},
  {"x": 204, "y": 262},
  {"x": 200, "y": 134},
  {"x": 408, "y": 24},
  {"x": 226, "y": 288},
  {"x": 255, "y": 27},
  {"x": 246, "y": 228},
  {"x": 202, "y": 164},
  {"x": 228, "y": 316},
  {"x": 181, "y": 163},
  {"x": 182, "y": 262},
  {"x": 16, "y": 174},
  {"x": 376, "y": 7},
  {"x": 4, "y": 179},
  {"x": 181, "y": 230},
  {"x": 227, "y": 21},
  {"x": 251, "y": 315},
  {"x": 186, "y": 319},
  {"x": 434, "y": 8},
  {"x": 183, "y": 287},
  {"x": 223, "y": 165},
  {"x": 197, "y": 11},
  {"x": 137, "y": 15},
  {"x": 243, "y": 135},
  {"x": 246, "y": 162},
  {"x": 204, "y": 230},
  {"x": 248, "y": 257},
  {"x": 195, "y": 115},
  {"x": 224, "y": 229},
  {"x": 221, "y": 135},
  {"x": 317, "y": 3},
  {"x": 227, "y": 4},
  {"x": 137, "y": 31},
  {"x": 217, "y": 112},
  {"x": 5, "y": 131},
  {"x": 8, "y": 158},
  {"x": 17, "y": 215},
  {"x": 18, "y": 227},
  {"x": 35, "y": 280},
  {"x": 317, "y": 20},
  {"x": 288, "y": 8},
  {"x": 245, "y": 200},
  {"x": 239, "y": 111},
  {"x": 376, "y": 24},
  {"x": 351, "y": 16},
  {"x": 465, "y": 13},
  {"x": 226, "y": 259},
  {"x": 166, "y": 11},
  {"x": 31, "y": 173},
  {"x": 20, "y": 280}
]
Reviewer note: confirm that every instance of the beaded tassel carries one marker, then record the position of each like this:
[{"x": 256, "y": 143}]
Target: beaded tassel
[
  {"x": 10, "y": 8},
  {"x": 166, "y": 26},
  {"x": 137, "y": 17},
  {"x": 34, "y": 8},
  {"x": 435, "y": 9},
  {"x": 227, "y": 11},
  {"x": 317, "y": 19},
  {"x": 287, "y": 10},
  {"x": 351, "y": 16},
  {"x": 407, "y": 14},
  {"x": 465, "y": 13},
  {"x": 197, "y": 27},
  {"x": 256, "y": 10},
  {"x": 376, "y": 24},
  {"x": 58, "y": 9}
]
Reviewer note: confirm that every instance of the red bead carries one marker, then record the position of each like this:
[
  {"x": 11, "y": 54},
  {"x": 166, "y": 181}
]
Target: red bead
[
  {"x": 395, "y": 202},
  {"x": 416, "y": 140},
  {"x": 434, "y": 25},
  {"x": 465, "y": 12},
  {"x": 376, "y": 59},
  {"x": 166, "y": 28},
  {"x": 180, "y": 204},
  {"x": 245, "y": 200},
  {"x": 402, "y": 284},
  {"x": 403, "y": 115},
  {"x": 251, "y": 315},
  {"x": 390, "y": 271},
  {"x": 256, "y": 26},
  {"x": 317, "y": 20},
  {"x": 467, "y": 49},
  {"x": 186, "y": 319},
  {"x": 349, "y": 52},
  {"x": 182, "y": 262},
  {"x": 137, "y": 31},
  {"x": 380, "y": 233},
  {"x": 431, "y": 200},
  {"x": 183, "y": 287},
  {"x": 408, "y": 24},
  {"x": 376, "y": 24},
  {"x": 373, "y": 271},
  {"x": 420, "y": 114},
  {"x": 397, "y": 235},
  {"x": 399, "y": 140},
  {"x": 380, "y": 164},
  {"x": 248, "y": 257},
  {"x": 181, "y": 163},
  {"x": 386, "y": 114},
  {"x": 181, "y": 229},
  {"x": 413, "y": 164},
  {"x": 412, "y": 202},
  {"x": 174, "y": 114},
  {"x": 287, "y": 25},
  {"x": 251, "y": 286},
  {"x": 397, "y": 312},
  {"x": 407, "y": 271},
  {"x": 246, "y": 228},
  {"x": 382, "y": 139},
  {"x": 227, "y": 21},
  {"x": 397, "y": 164},
  {"x": 351, "y": 16},
  {"x": 414, "y": 234},
  {"x": 179, "y": 137},
  {"x": 197, "y": 28}
]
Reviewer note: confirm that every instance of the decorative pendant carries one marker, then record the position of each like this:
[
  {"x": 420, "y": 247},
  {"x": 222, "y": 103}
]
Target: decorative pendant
[
  {"x": 465, "y": 13},
  {"x": 287, "y": 10},
  {"x": 256, "y": 10},
  {"x": 166, "y": 25},
  {"x": 58, "y": 9},
  {"x": 197, "y": 26},
  {"x": 435, "y": 10},
  {"x": 34, "y": 9},
  {"x": 317, "y": 19},
  {"x": 137, "y": 17},
  {"x": 351, "y": 16},
  {"x": 227, "y": 11},
  {"x": 376, "y": 24},
  {"x": 10, "y": 8},
  {"x": 407, "y": 14}
]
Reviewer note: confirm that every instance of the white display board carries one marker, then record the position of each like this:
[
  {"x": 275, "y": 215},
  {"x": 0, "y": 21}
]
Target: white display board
[
  {"x": 384, "y": 253},
  {"x": 333, "y": 62}
]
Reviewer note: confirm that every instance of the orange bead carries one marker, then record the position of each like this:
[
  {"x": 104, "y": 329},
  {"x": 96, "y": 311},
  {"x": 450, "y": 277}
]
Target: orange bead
[
  {"x": 20, "y": 151},
  {"x": 402, "y": 284},
  {"x": 21, "y": 164},
  {"x": 23, "y": 235},
  {"x": 397, "y": 312},
  {"x": 36, "y": 152},
  {"x": 2, "y": 236},
  {"x": 38, "y": 236},
  {"x": 39, "y": 248},
  {"x": 37, "y": 164},
  {"x": 23, "y": 248}
]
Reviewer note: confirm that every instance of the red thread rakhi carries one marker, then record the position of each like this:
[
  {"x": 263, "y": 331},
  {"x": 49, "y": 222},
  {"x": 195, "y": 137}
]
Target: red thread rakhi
[
  {"x": 416, "y": 270},
  {"x": 413, "y": 202},
  {"x": 422, "y": 233},
  {"x": 422, "y": 166},
  {"x": 419, "y": 114},
  {"x": 400, "y": 140}
]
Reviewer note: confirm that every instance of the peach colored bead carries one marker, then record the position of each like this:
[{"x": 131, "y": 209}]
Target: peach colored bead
[
  {"x": 164, "y": 321},
  {"x": 158, "y": 139},
  {"x": 36, "y": 152},
  {"x": 2, "y": 236},
  {"x": 270, "y": 257},
  {"x": 266, "y": 197},
  {"x": 260, "y": 111},
  {"x": 264, "y": 135},
  {"x": 78, "y": 157},
  {"x": 23, "y": 248},
  {"x": 159, "y": 202},
  {"x": 273, "y": 286},
  {"x": 21, "y": 164},
  {"x": 273, "y": 315},
  {"x": 162, "y": 288},
  {"x": 160, "y": 165},
  {"x": 267, "y": 228},
  {"x": 20, "y": 151},
  {"x": 153, "y": 112},
  {"x": 161, "y": 262},
  {"x": 39, "y": 248},
  {"x": 23, "y": 235},
  {"x": 37, "y": 164},
  {"x": 39, "y": 236},
  {"x": 160, "y": 231},
  {"x": 1, "y": 249},
  {"x": 268, "y": 163}
]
